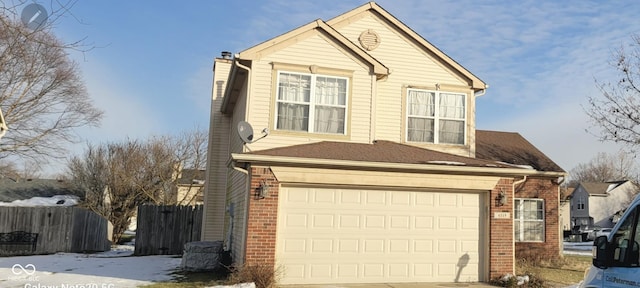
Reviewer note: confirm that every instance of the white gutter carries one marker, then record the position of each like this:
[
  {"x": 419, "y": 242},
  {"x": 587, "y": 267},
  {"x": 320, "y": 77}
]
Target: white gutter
[
  {"x": 513, "y": 201},
  {"x": 432, "y": 168},
  {"x": 481, "y": 92}
]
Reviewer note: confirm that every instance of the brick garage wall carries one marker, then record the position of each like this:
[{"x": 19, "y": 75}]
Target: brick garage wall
[
  {"x": 501, "y": 232},
  {"x": 262, "y": 219},
  {"x": 546, "y": 189}
]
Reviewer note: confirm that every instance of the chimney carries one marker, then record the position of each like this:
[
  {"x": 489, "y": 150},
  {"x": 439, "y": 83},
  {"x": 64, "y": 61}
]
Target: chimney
[{"x": 226, "y": 55}]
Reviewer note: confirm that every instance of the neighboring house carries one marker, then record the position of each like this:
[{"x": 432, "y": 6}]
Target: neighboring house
[
  {"x": 595, "y": 204},
  {"x": 565, "y": 208},
  {"x": 21, "y": 190},
  {"x": 190, "y": 187},
  {"x": 373, "y": 170}
]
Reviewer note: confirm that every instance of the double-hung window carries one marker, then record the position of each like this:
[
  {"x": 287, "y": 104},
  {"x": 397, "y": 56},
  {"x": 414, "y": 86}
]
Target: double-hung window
[
  {"x": 311, "y": 103},
  {"x": 435, "y": 117},
  {"x": 528, "y": 220},
  {"x": 581, "y": 203}
]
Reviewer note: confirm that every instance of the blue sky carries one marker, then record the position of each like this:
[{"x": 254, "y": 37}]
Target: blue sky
[{"x": 151, "y": 69}]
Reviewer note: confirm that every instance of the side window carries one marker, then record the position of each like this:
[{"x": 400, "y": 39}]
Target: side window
[{"x": 626, "y": 249}]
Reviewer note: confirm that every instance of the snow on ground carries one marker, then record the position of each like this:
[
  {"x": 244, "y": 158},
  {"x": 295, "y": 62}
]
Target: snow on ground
[
  {"x": 111, "y": 269},
  {"x": 578, "y": 248},
  {"x": 57, "y": 200},
  {"x": 114, "y": 269}
]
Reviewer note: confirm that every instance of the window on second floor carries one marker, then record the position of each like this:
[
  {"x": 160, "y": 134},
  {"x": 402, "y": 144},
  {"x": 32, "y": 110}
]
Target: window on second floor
[
  {"x": 436, "y": 117},
  {"x": 580, "y": 204},
  {"x": 311, "y": 103}
]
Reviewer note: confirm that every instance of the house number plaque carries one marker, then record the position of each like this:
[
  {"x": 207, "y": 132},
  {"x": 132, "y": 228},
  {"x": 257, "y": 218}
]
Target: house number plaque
[{"x": 501, "y": 215}]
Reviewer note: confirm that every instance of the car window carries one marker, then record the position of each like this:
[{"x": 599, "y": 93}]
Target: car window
[{"x": 626, "y": 250}]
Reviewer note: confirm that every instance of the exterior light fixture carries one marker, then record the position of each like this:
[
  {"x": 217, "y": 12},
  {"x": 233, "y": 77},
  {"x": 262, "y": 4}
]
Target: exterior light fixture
[
  {"x": 501, "y": 199},
  {"x": 263, "y": 190}
]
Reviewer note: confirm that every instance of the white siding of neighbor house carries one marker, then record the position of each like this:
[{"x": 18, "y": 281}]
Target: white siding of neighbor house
[
  {"x": 312, "y": 50},
  {"x": 602, "y": 208},
  {"x": 409, "y": 65},
  {"x": 218, "y": 149}
]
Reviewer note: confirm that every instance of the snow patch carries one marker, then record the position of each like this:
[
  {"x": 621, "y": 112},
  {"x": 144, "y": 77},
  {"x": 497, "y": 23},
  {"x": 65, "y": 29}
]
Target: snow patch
[
  {"x": 447, "y": 163},
  {"x": 518, "y": 166},
  {"x": 107, "y": 269},
  {"x": 57, "y": 200}
]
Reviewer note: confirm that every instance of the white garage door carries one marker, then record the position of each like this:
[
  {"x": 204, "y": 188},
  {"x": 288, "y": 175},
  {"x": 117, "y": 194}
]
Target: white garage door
[{"x": 376, "y": 236}]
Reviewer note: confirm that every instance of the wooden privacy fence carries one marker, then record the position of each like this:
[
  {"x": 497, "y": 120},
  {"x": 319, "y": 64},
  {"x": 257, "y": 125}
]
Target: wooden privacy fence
[
  {"x": 60, "y": 229},
  {"x": 163, "y": 230}
]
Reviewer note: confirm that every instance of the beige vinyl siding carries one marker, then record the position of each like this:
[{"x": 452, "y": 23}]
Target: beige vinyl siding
[
  {"x": 410, "y": 66},
  {"x": 237, "y": 186},
  {"x": 215, "y": 186},
  {"x": 313, "y": 50}
]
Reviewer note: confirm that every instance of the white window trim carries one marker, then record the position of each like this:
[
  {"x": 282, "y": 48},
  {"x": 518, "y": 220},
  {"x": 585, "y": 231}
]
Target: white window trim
[
  {"x": 580, "y": 202},
  {"x": 436, "y": 117},
  {"x": 522, "y": 221},
  {"x": 311, "y": 103}
]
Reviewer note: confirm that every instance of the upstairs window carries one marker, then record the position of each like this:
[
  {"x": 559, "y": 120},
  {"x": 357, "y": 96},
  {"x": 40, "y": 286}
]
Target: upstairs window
[
  {"x": 580, "y": 203},
  {"x": 528, "y": 220},
  {"x": 311, "y": 103},
  {"x": 435, "y": 117}
]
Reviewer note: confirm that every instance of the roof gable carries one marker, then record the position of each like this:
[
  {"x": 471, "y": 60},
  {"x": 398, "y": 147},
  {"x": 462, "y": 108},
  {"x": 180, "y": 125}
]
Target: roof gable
[
  {"x": 317, "y": 26},
  {"x": 410, "y": 34}
]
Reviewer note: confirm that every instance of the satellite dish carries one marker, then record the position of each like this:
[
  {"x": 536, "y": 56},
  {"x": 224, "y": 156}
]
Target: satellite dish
[{"x": 245, "y": 131}]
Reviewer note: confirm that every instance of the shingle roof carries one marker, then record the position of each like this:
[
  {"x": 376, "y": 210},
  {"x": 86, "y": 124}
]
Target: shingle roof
[
  {"x": 510, "y": 147},
  {"x": 505, "y": 151},
  {"x": 11, "y": 189},
  {"x": 379, "y": 151},
  {"x": 190, "y": 176},
  {"x": 599, "y": 188}
]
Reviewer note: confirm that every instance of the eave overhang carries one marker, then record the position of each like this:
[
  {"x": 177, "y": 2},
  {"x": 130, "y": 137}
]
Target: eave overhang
[{"x": 239, "y": 159}]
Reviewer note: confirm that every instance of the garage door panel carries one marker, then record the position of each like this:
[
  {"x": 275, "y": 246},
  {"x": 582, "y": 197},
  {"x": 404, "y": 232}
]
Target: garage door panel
[{"x": 373, "y": 236}]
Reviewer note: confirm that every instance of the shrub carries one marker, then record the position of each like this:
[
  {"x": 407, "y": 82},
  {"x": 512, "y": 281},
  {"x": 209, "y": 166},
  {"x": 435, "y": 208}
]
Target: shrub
[{"x": 263, "y": 275}]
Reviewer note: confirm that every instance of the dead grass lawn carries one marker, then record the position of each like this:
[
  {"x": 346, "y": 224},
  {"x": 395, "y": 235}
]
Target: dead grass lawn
[{"x": 561, "y": 272}]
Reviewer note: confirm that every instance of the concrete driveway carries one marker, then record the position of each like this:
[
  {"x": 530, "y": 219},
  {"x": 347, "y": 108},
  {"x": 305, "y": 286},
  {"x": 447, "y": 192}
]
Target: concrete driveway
[{"x": 394, "y": 285}]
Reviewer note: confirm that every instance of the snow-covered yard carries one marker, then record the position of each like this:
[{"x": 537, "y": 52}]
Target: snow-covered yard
[
  {"x": 112, "y": 269},
  {"x": 578, "y": 248}
]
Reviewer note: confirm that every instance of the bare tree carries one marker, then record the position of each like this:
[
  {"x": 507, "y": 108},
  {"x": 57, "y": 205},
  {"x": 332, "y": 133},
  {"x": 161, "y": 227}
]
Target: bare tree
[
  {"x": 118, "y": 177},
  {"x": 606, "y": 167},
  {"x": 617, "y": 111},
  {"x": 42, "y": 93}
]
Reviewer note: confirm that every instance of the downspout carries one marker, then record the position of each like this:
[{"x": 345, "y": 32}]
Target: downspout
[
  {"x": 243, "y": 170},
  {"x": 248, "y": 100},
  {"x": 513, "y": 243},
  {"x": 372, "y": 115}
]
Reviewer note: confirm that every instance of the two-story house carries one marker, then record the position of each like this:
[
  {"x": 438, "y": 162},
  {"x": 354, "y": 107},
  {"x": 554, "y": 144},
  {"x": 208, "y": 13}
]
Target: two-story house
[
  {"x": 373, "y": 170},
  {"x": 594, "y": 204}
]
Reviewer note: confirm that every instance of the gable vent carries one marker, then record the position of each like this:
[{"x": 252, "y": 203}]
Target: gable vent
[{"x": 369, "y": 39}]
